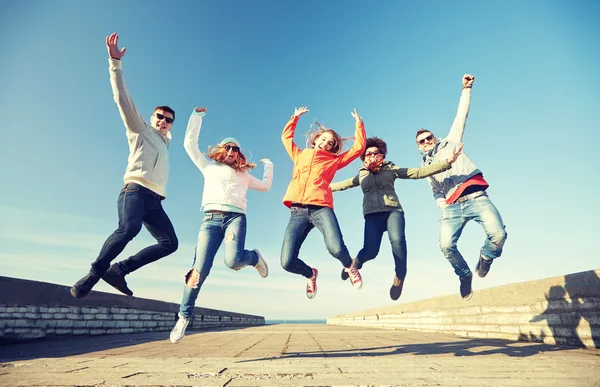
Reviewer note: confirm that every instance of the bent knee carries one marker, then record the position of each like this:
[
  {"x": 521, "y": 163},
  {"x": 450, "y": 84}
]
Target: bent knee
[
  {"x": 498, "y": 238},
  {"x": 192, "y": 279}
]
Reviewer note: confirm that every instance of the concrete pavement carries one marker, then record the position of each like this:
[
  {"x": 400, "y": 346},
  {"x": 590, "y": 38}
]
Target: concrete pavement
[{"x": 296, "y": 355}]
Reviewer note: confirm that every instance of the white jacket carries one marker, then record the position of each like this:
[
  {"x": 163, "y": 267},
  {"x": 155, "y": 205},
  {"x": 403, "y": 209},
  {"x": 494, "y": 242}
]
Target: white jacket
[
  {"x": 223, "y": 186},
  {"x": 148, "y": 162}
]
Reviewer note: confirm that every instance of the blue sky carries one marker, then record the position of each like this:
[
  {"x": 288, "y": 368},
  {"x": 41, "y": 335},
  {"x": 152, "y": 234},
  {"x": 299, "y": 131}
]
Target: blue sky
[{"x": 532, "y": 130}]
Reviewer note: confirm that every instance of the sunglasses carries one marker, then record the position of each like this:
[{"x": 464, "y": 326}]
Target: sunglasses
[
  {"x": 373, "y": 153},
  {"x": 161, "y": 117},
  {"x": 234, "y": 148},
  {"x": 428, "y": 138}
]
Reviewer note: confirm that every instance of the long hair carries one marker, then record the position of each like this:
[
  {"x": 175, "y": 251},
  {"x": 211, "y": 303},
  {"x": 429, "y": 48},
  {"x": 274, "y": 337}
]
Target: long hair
[
  {"x": 317, "y": 130},
  {"x": 219, "y": 154}
]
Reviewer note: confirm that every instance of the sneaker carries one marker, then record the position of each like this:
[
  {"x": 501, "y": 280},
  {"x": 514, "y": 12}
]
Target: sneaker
[
  {"x": 178, "y": 330},
  {"x": 345, "y": 275},
  {"x": 85, "y": 285},
  {"x": 396, "y": 289},
  {"x": 466, "y": 291},
  {"x": 311, "y": 285},
  {"x": 483, "y": 266},
  {"x": 261, "y": 265},
  {"x": 354, "y": 276},
  {"x": 116, "y": 278}
]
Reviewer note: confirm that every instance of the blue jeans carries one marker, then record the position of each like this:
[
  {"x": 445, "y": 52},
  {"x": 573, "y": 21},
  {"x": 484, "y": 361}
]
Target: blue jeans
[
  {"x": 455, "y": 217},
  {"x": 216, "y": 227},
  {"x": 375, "y": 225},
  {"x": 137, "y": 205},
  {"x": 303, "y": 219}
]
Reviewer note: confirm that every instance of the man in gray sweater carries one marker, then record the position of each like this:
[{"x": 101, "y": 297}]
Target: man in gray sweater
[{"x": 145, "y": 187}]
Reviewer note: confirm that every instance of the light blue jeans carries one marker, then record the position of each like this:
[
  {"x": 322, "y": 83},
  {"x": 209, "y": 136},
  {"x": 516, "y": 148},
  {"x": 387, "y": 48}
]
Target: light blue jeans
[
  {"x": 453, "y": 221},
  {"x": 216, "y": 227},
  {"x": 303, "y": 219}
]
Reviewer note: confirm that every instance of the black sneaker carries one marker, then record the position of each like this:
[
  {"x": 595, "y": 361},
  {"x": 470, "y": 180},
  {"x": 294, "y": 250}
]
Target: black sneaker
[
  {"x": 396, "y": 289},
  {"x": 466, "y": 291},
  {"x": 85, "y": 285},
  {"x": 483, "y": 266},
  {"x": 116, "y": 278}
]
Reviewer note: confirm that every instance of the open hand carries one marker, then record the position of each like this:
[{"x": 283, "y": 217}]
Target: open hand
[
  {"x": 454, "y": 155},
  {"x": 354, "y": 114},
  {"x": 112, "y": 45},
  {"x": 300, "y": 111}
]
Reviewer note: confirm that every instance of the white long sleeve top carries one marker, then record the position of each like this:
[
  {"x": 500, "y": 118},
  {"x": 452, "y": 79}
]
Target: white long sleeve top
[{"x": 224, "y": 188}]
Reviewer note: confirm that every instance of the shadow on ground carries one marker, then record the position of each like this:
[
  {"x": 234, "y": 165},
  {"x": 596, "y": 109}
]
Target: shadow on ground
[
  {"x": 460, "y": 347},
  {"x": 73, "y": 346}
]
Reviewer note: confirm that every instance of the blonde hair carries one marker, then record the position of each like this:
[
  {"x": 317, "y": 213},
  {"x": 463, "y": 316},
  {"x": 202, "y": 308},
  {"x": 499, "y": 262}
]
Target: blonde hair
[
  {"x": 219, "y": 154},
  {"x": 316, "y": 130}
]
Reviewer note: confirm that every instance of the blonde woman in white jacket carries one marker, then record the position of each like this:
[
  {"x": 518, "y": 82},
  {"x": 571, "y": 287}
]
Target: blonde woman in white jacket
[{"x": 226, "y": 181}]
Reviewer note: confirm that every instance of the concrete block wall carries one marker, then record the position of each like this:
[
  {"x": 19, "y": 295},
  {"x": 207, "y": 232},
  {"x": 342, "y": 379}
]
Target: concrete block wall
[
  {"x": 561, "y": 310},
  {"x": 34, "y": 310}
]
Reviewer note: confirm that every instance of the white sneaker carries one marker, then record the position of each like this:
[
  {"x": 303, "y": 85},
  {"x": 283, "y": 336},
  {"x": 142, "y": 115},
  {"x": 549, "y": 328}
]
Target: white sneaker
[
  {"x": 311, "y": 284},
  {"x": 261, "y": 265},
  {"x": 354, "y": 276},
  {"x": 178, "y": 330}
]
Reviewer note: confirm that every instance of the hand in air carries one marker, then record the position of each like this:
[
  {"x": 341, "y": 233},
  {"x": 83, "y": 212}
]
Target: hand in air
[
  {"x": 265, "y": 160},
  {"x": 354, "y": 114},
  {"x": 300, "y": 111},
  {"x": 468, "y": 80},
  {"x": 454, "y": 155},
  {"x": 112, "y": 45}
]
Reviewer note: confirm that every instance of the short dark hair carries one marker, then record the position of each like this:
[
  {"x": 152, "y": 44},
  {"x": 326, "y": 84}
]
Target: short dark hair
[
  {"x": 166, "y": 109},
  {"x": 422, "y": 131},
  {"x": 375, "y": 142}
]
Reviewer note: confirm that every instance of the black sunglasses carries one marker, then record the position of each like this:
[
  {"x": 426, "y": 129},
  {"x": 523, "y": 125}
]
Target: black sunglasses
[
  {"x": 428, "y": 138},
  {"x": 234, "y": 148},
  {"x": 373, "y": 153},
  {"x": 161, "y": 117}
]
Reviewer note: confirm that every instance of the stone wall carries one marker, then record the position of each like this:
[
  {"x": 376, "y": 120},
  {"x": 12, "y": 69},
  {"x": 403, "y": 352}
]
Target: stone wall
[
  {"x": 34, "y": 310},
  {"x": 559, "y": 310}
]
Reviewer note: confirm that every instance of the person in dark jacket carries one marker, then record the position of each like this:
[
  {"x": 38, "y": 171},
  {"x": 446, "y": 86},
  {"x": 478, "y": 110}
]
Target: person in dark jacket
[{"x": 381, "y": 207}]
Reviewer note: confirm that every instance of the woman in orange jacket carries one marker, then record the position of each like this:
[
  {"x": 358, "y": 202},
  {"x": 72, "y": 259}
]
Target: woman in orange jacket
[{"x": 310, "y": 199}]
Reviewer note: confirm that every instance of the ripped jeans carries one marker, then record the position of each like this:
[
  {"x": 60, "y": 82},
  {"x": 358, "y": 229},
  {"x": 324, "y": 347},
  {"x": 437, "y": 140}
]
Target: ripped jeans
[{"x": 216, "y": 227}]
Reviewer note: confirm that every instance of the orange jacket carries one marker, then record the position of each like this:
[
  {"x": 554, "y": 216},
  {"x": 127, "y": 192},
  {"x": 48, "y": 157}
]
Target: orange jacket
[{"x": 314, "y": 169}]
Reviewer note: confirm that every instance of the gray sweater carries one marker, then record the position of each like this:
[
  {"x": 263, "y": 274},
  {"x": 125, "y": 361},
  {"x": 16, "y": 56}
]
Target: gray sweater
[{"x": 148, "y": 162}]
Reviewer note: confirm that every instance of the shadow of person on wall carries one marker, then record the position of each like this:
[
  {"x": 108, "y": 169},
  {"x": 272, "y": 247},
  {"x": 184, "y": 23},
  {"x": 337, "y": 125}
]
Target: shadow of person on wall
[
  {"x": 584, "y": 291},
  {"x": 561, "y": 317},
  {"x": 569, "y": 306}
]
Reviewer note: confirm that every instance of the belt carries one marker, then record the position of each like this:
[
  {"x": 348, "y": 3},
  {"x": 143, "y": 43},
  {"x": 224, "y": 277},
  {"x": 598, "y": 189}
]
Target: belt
[
  {"x": 309, "y": 206},
  {"x": 469, "y": 197}
]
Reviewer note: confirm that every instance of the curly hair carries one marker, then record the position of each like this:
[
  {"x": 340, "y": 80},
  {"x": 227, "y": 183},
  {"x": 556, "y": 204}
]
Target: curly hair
[
  {"x": 219, "y": 154},
  {"x": 314, "y": 133},
  {"x": 375, "y": 142}
]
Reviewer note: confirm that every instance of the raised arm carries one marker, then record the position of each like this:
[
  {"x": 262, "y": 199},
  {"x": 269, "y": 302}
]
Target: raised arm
[
  {"x": 345, "y": 184},
  {"x": 267, "y": 181},
  {"x": 458, "y": 126},
  {"x": 192, "y": 132},
  {"x": 287, "y": 137},
  {"x": 432, "y": 169},
  {"x": 360, "y": 141},
  {"x": 130, "y": 115}
]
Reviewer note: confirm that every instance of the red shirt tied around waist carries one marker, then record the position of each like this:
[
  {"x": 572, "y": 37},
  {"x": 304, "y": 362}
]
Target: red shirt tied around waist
[{"x": 474, "y": 184}]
